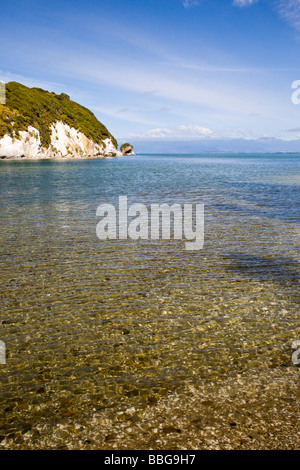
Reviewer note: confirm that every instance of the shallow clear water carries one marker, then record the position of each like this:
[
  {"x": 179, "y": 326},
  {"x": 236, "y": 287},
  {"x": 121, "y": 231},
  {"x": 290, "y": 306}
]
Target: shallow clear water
[{"x": 91, "y": 324}]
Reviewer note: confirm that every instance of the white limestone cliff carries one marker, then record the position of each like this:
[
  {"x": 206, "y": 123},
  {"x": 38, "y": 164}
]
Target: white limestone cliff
[{"x": 66, "y": 142}]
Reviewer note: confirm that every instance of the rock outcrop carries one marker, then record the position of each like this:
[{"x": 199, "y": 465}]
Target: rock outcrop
[
  {"x": 127, "y": 149},
  {"x": 36, "y": 124}
]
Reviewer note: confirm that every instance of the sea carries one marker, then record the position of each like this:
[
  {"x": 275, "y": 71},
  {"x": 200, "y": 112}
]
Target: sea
[{"x": 94, "y": 328}]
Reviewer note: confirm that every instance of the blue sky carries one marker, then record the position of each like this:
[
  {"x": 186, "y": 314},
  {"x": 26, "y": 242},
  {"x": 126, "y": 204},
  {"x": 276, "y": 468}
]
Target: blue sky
[{"x": 162, "y": 69}]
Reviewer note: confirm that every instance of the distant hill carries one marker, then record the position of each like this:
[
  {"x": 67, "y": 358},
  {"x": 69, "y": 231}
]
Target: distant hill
[{"x": 264, "y": 145}]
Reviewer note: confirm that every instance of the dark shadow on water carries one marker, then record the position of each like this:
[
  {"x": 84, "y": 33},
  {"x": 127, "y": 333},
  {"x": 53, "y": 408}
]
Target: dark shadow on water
[
  {"x": 276, "y": 201},
  {"x": 281, "y": 271}
]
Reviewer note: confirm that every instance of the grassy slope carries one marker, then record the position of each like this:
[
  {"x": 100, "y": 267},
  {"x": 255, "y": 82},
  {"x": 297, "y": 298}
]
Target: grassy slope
[{"x": 39, "y": 108}]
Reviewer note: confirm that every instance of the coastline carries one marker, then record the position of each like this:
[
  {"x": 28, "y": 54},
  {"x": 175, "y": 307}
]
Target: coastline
[
  {"x": 58, "y": 158},
  {"x": 67, "y": 158}
]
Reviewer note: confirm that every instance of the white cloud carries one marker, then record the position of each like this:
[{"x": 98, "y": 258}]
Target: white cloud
[
  {"x": 290, "y": 10},
  {"x": 229, "y": 69},
  {"x": 176, "y": 132},
  {"x": 244, "y": 3},
  {"x": 194, "y": 130},
  {"x": 190, "y": 3},
  {"x": 135, "y": 78}
]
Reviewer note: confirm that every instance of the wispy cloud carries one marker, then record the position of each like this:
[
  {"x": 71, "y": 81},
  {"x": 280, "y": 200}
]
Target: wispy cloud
[
  {"x": 195, "y": 133},
  {"x": 140, "y": 79},
  {"x": 244, "y": 3},
  {"x": 290, "y": 11},
  {"x": 124, "y": 114},
  {"x": 153, "y": 84},
  {"x": 6, "y": 77},
  {"x": 229, "y": 69},
  {"x": 176, "y": 132},
  {"x": 190, "y": 3}
]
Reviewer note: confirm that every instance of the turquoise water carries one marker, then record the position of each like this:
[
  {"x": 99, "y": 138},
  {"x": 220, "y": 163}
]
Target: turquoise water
[{"x": 92, "y": 324}]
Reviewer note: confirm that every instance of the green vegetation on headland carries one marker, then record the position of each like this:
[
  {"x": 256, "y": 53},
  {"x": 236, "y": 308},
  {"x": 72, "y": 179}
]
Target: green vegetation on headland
[{"x": 39, "y": 108}]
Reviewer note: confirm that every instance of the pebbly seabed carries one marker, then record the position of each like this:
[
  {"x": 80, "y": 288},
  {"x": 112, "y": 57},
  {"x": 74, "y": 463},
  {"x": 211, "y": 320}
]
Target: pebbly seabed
[{"x": 139, "y": 344}]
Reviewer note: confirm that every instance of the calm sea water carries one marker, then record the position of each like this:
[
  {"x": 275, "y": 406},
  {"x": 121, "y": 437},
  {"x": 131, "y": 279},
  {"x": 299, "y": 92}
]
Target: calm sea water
[{"x": 91, "y": 324}]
